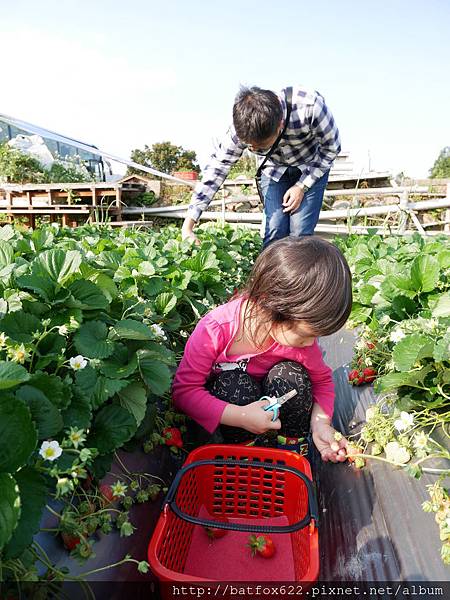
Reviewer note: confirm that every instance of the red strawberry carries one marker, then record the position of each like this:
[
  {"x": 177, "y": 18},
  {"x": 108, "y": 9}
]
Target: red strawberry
[
  {"x": 70, "y": 541},
  {"x": 86, "y": 484},
  {"x": 107, "y": 493},
  {"x": 369, "y": 375},
  {"x": 172, "y": 437},
  {"x": 370, "y": 345},
  {"x": 351, "y": 451},
  {"x": 214, "y": 533},
  {"x": 262, "y": 545},
  {"x": 353, "y": 375}
]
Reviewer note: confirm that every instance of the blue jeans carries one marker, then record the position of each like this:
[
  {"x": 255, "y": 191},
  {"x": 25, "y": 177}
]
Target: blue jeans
[{"x": 301, "y": 222}]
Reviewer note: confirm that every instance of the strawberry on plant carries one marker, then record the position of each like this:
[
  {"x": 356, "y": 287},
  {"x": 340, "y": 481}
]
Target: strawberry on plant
[
  {"x": 215, "y": 533},
  {"x": 353, "y": 376},
  {"x": 107, "y": 493},
  {"x": 172, "y": 437},
  {"x": 369, "y": 375},
  {"x": 70, "y": 541},
  {"x": 370, "y": 346},
  {"x": 261, "y": 544},
  {"x": 352, "y": 450}
]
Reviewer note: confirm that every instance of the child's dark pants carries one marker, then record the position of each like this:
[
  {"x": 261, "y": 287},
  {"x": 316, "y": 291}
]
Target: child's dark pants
[{"x": 241, "y": 388}]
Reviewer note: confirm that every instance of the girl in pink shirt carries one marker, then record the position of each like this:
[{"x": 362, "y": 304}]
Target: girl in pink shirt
[{"x": 263, "y": 342}]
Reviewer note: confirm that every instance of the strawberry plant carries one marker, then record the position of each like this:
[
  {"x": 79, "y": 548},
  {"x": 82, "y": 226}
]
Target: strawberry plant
[
  {"x": 91, "y": 323},
  {"x": 402, "y": 310}
]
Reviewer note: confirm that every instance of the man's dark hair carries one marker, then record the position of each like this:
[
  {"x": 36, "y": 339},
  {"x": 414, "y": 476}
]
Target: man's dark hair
[
  {"x": 257, "y": 114},
  {"x": 301, "y": 279}
]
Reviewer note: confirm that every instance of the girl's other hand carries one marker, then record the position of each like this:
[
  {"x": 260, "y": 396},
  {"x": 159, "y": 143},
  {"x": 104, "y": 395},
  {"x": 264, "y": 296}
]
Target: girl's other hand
[{"x": 326, "y": 444}]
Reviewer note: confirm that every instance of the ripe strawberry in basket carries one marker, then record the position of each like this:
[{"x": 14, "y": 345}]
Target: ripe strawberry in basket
[
  {"x": 261, "y": 544},
  {"x": 214, "y": 533},
  {"x": 172, "y": 437}
]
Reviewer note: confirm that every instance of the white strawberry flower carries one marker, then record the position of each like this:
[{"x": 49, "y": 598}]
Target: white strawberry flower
[
  {"x": 396, "y": 453},
  {"x": 50, "y": 450},
  {"x": 385, "y": 320},
  {"x": 396, "y": 335},
  {"x": 405, "y": 422},
  {"x": 3, "y": 339},
  {"x": 420, "y": 440},
  {"x": 371, "y": 413},
  {"x": 360, "y": 345},
  {"x": 63, "y": 330},
  {"x": 158, "y": 331},
  {"x": 78, "y": 362}
]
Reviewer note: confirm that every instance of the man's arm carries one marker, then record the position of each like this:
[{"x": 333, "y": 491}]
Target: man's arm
[
  {"x": 324, "y": 128},
  {"x": 214, "y": 174}
]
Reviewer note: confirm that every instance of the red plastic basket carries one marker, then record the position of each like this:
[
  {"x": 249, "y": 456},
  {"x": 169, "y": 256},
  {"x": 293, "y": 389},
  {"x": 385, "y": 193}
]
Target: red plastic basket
[{"x": 243, "y": 482}]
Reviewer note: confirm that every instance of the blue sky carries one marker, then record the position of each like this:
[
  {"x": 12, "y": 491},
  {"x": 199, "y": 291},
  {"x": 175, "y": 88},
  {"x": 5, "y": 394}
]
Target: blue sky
[{"x": 124, "y": 74}]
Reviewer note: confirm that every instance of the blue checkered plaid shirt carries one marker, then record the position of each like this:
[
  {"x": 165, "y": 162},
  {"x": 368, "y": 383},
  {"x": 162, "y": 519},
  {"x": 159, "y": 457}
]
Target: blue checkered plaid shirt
[{"x": 311, "y": 142}]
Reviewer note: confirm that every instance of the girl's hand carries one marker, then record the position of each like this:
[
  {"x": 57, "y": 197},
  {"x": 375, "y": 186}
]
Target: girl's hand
[
  {"x": 251, "y": 417},
  {"x": 329, "y": 448}
]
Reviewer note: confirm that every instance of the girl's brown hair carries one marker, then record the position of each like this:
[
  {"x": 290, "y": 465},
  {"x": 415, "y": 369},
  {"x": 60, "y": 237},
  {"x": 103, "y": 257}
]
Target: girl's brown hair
[{"x": 301, "y": 279}]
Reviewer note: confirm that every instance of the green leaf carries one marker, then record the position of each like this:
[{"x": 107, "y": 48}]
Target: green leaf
[
  {"x": 440, "y": 305},
  {"x": 395, "y": 380},
  {"x": 91, "y": 340},
  {"x": 105, "y": 389},
  {"x": 117, "y": 370},
  {"x": 46, "y": 416},
  {"x": 11, "y": 374},
  {"x": 87, "y": 296},
  {"x": 410, "y": 350},
  {"x": 128, "y": 329},
  {"x": 78, "y": 413},
  {"x": 56, "y": 264},
  {"x": 360, "y": 313},
  {"x": 18, "y": 436},
  {"x": 20, "y": 326},
  {"x": 155, "y": 374},
  {"x": 442, "y": 349},
  {"x": 146, "y": 268},
  {"x": 134, "y": 399},
  {"x": 6, "y": 254},
  {"x": 7, "y": 232},
  {"x": 154, "y": 286},
  {"x": 204, "y": 260},
  {"x": 443, "y": 258},
  {"x": 366, "y": 293},
  {"x": 425, "y": 273},
  {"x": 53, "y": 387},
  {"x": 40, "y": 284},
  {"x": 42, "y": 238},
  {"x": 165, "y": 302},
  {"x": 160, "y": 353},
  {"x": 9, "y": 507},
  {"x": 403, "y": 307},
  {"x": 33, "y": 495},
  {"x": 395, "y": 282},
  {"x": 113, "y": 426},
  {"x": 106, "y": 285},
  {"x": 85, "y": 382}
]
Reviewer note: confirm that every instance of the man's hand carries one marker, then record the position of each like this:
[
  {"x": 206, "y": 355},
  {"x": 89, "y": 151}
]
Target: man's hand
[
  {"x": 293, "y": 198},
  {"x": 326, "y": 444},
  {"x": 187, "y": 231}
]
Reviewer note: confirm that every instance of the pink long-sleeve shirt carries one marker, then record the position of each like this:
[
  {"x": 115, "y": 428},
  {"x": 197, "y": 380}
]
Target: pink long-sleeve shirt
[{"x": 206, "y": 352}]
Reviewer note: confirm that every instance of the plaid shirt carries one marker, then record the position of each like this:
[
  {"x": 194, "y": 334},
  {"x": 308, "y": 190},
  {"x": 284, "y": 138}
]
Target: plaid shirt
[{"x": 311, "y": 142}]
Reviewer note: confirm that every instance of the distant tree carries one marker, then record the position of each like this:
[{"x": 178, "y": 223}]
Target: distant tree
[
  {"x": 165, "y": 157},
  {"x": 441, "y": 167},
  {"x": 245, "y": 166}
]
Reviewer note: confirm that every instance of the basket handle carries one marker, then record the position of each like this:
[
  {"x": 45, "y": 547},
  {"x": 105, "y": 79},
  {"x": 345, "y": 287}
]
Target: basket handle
[{"x": 313, "y": 510}]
